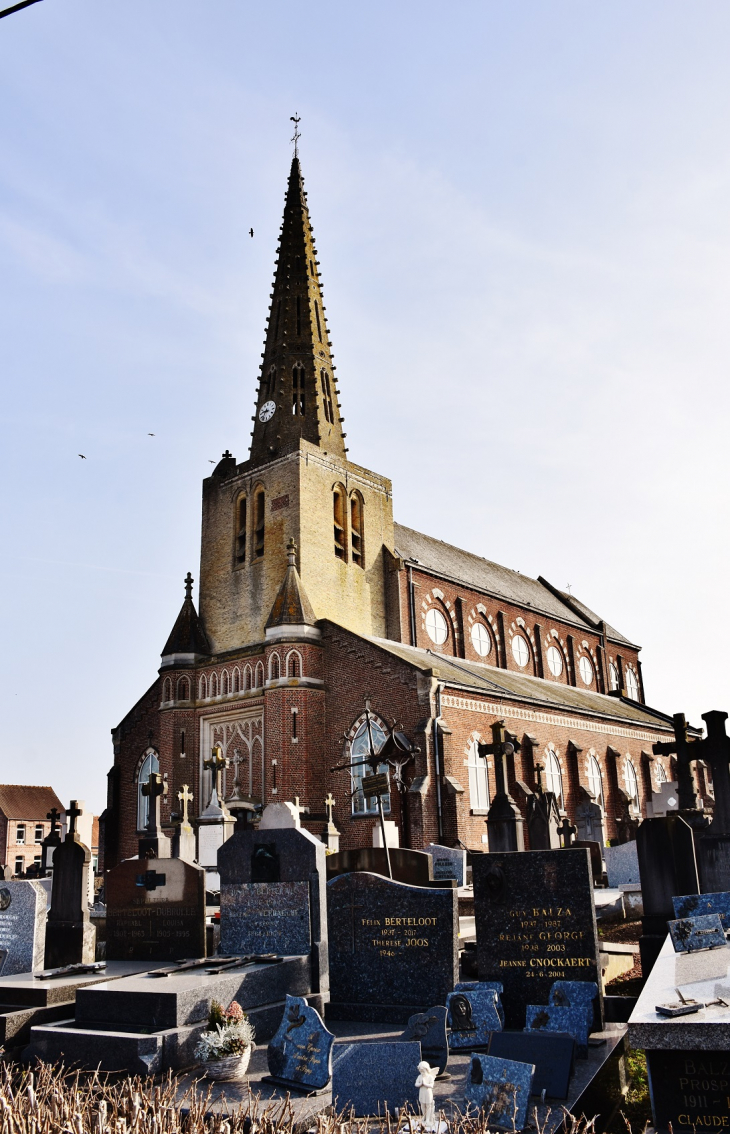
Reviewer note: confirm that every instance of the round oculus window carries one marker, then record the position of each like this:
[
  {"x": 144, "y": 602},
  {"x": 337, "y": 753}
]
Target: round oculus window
[
  {"x": 436, "y": 627},
  {"x": 480, "y": 639},
  {"x": 586, "y": 670},
  {"x": 520, "y": 651},
  {"x": 555, "y": 661}
]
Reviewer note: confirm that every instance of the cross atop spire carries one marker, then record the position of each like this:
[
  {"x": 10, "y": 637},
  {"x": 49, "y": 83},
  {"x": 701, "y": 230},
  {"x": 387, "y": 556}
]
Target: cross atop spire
[
  {"x": 296, "y": 120},
  {"x": 297, "y": 395}
]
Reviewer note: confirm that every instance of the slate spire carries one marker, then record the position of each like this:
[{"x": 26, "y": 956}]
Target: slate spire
[
  {"x": 188, "y": 640},
  {"x": 297, "y": 396},
  {"x": 291, "y": 605}
]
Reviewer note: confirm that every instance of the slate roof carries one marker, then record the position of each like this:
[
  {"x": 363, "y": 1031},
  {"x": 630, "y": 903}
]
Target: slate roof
[
  {"x": 25, "y": 801},
  {"x": 188, "y": 635},
  {"x": 291, "y": 605},
  {"x": 489, "y": 680},
  {"x": 484, "y": 575}
]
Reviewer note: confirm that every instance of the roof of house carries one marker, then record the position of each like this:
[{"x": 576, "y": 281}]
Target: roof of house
[
  {"x": 502, "y": 683},
  {"x": 484, "y": 575},
  {"x": 26, "y": 801}
]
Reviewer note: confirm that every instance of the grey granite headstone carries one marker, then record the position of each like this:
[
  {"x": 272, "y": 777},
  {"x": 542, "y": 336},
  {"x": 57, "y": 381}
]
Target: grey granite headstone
[
  {"x": 429, "y": 1029},
  {"x": 372, "y": 1078},
  {"x": 22, "y": 927},
  {"x": 535, "y": 922},
  {"x": 689, "y": 934},
  {"x": 694, "y": 905},
  {"x": 300, "y": 1054},
  {"x": 501, "y": 1089},
  {"x": 392, "y": 947},
  {"x": 273, "y": 896},
  {"x": 448, "y": 862},
  {"x": 473, "y": 1016},
  {"x": 622, "y": 864},
  {"x": 550, "y": 1018}
]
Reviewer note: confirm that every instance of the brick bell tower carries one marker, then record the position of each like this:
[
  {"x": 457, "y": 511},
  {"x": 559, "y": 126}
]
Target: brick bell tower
[{"x": 297, "y": 483}]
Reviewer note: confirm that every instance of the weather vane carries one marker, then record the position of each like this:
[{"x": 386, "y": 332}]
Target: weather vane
[{"x": 296, "y": 120}]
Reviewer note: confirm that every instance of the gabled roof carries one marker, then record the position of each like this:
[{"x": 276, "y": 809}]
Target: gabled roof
[
  {"x": 291, "y": 605},
  {"x": 484, "y": 575},
  {"x": 505, "y": 683},
  {"x": 188, "y": 636},
  {"x": 26, "y": 801}
]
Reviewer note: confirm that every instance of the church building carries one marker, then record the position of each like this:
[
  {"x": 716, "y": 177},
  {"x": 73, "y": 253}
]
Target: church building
[{"x": 313, "y": 599}]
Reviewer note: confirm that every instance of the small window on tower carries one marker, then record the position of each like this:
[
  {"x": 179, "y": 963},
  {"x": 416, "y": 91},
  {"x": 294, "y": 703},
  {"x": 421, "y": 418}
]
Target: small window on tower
[
  {"x": 356, "y": 532},
  {"x": 327, "y": 397},
  {"x": 259, "y": 525},
  {"x": 338, "y": 501},
  {"x": 276, "y": 323},
  {"x": 298, "y": 393},
  {"x": 319, "y": 327},
  {"x": 241, "y": 530}
]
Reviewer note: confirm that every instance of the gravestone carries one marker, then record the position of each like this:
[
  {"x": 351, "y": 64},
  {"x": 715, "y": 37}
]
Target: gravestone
[
  {"x": 372, "y": 1078},
  {"x": 589, "y": 821},
  {"x": 473, "y": 1016},
  {"x": 504, "y": 819},
  {"x": 664, "y": 801},
  {"x": 713, "y": 844},
  {"x": 448, "y": 862},
  {"x": 392, "y": 948},
  {"x": 415, "y": 868},
  {"x": 570, "y": 993},
  {"x": 429, "y": 1029},
  {"x": 694, "y": 905},
  {"x": 184, "y": 840},
  {"x": 51, "y": 841},
  {"x": 484, "y": 986},
  {"x": 568, "y": 1020},
  {"x": 22, "y": 927},
  {"x": 535, "y": 922},
  {"x": 667, "y": 866},
  {"x": 330, "y": 834},
  {"x": 543, "y": 817},
  {"x": 622, "y": 864},
  {"x": 155, "y": 910},
  {"x": 596, "y": 853},
  {"x": 501, "y": 1089},
  {"x": 273, "y": 896},
  {"x": 552, "y": 1055},
  {"x": 300, "y": 1054},
  {"x": 70, "y": 936},
  {"x": 154, "y": 843}
]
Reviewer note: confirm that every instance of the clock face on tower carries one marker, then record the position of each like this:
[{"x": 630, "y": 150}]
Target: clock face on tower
[{"x": 267, "y": 411}]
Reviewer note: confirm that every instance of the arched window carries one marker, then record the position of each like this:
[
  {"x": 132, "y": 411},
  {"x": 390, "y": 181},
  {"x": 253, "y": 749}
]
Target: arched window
[
  {"x": 214, "y": 685},
  {"x": 585, "y": 668},
  {"x": 478, "y": 778},
  {"x": 150, "y": 764},
  {"x": 183, "y": 689},
  {"x": 356, "y": 529},
  {"x": 293, "y": 665},
  {"x": 224, "y": 683},
  {"x": 274, "y": 668},
  {"x": 555, "y": 661},
  {"x": 363, "y": 804},
  {"x": 661, "y": 775},
  {"x": 595, "y": 780},
  {"x": 259, "y": 675},
  {"x": 632, "y": 684},
  {"x": 612, "y": 675},
  {"x": 167, "y": 690},
  {"x": 203, "y": 688},
  {"x": 249, "y": 677},
  {"x": 259, "y": 523},
  {"x": 241, "y": 515},
  {"x": 319, "y": 325},
  {"x": 236, "y": 680},
  {"x": 298, "y": 395},
  {"x": 520, "y": 650},
  {"x": 554, "y": 776},
  {"x": 632, "y": 785},
  {"x": 338, "y": 514},
  {"x": 271, "y": 384},
  {"x": 329, "y": 414}
]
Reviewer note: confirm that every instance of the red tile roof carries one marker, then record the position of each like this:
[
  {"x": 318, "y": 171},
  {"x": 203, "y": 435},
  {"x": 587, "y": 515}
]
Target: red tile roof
[{"x": 24, "y": 801}]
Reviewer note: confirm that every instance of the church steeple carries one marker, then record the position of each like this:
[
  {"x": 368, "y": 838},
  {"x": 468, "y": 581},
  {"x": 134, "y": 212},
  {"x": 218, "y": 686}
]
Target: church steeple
[{"x": 297, "y": 396}]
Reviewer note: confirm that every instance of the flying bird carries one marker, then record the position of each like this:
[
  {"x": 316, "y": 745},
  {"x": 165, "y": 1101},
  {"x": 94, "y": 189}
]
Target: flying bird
[
  {"x": 150, "y": 434},
  {"x": 211, "y": 462},
  {"x": 250, "y": 232},
  {"x": 83, "y": 458}
]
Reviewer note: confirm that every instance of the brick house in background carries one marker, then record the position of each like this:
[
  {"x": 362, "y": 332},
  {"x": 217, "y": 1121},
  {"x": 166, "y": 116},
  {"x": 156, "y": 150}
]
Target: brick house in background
[
  {"x": 312, "y": 598},
  {"x": 24, "y": 823}
]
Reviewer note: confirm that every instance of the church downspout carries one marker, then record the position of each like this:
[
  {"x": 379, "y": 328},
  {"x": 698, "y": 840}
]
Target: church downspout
[
  {"x": 437, "y": 762},
  {"x": 412, "y": 606}
]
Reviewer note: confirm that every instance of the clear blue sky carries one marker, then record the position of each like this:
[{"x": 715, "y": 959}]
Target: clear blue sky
[{"x": 523, "y": 217}]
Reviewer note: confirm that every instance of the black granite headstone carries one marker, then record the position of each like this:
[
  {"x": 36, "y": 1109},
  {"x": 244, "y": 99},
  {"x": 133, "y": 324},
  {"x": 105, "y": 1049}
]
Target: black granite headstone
[
  {"x": 392, "y": 948},
  {"x": 689, "y": 1090},
  {"x": 553, "y": 1056},
  {"x": 415, "y": 868},
  {"x": 70, "y": 936},
  {"x": 155, "y": 910},
  {"x": 535, "y": 922},
  {"x": 667, "y": 867}
]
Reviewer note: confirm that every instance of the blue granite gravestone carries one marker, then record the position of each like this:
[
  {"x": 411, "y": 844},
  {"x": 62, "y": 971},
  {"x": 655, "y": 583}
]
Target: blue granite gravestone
[
  {"x": 501, "y": 1088},
  {"x": 429, "y": 1029},
  {"x": 552, "y": 1053},
  {"x": 689, "y": 934},
  {"x": 372, "y": 1078},
  {"x": 473, "y": 1016},
  {"x": 568, "y": 993},
  {"x": 484, "y": 986},
  {"x": 549, "y": 1018},
  {"x": 695, "y": 905},
  {"x": 300, "y": 1054}
]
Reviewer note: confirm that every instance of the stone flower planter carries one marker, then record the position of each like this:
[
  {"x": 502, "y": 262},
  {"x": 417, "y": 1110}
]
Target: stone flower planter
[{"x": 230, "y": 1068}]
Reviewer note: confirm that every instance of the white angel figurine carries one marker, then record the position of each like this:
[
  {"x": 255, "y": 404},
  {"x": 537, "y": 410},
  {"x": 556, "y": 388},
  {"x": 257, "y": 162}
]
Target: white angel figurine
[{"x": 424, "y": 1082}]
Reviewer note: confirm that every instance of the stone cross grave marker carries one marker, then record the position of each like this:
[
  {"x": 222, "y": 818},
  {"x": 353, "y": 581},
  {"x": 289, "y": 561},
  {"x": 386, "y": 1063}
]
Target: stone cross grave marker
[
  {"x": 154, "y": 843},
  {"x": 713, "y": 847},
  {"x": 543, "y": 817},
  {"x": 215, "y": 824},
  {"x": 155, "y": 910},
  {"x": 70, "y": 936},
  {"x": 683, "y": 747},
  {"x": 185, "y": 837},
  {"x": 535, "y": 921},
  {"x": 22, "y": 927},
  {"x": 51, "y": 841},
  {"x": 393, "y": 947},
  {"x": 504, "y": 820}
]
